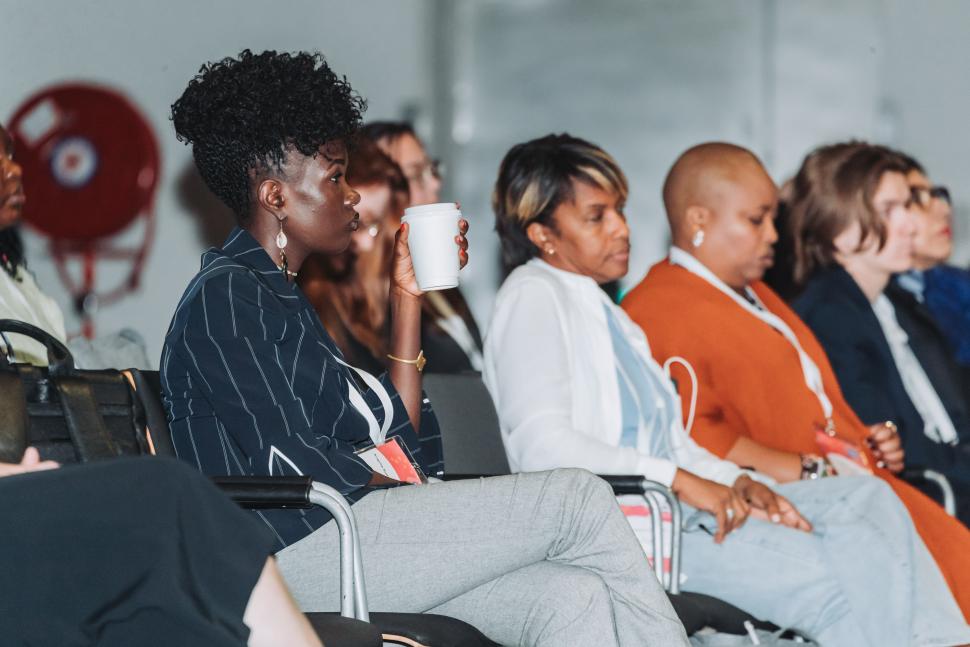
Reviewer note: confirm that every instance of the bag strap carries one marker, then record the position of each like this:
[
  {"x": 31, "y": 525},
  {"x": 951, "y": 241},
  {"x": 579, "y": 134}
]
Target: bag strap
[
  {"x": 13, "y": 417},
  {"x": 59, "y": 358},
  {"x": 84, "y": 422}
]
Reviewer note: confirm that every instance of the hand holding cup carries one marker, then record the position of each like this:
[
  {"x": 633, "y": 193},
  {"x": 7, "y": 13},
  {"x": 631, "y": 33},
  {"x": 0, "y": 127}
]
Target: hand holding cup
[{"x": 422, "y": 261}]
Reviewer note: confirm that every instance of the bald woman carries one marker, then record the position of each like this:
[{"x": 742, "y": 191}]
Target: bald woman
[{"x": 766, "y": 393}]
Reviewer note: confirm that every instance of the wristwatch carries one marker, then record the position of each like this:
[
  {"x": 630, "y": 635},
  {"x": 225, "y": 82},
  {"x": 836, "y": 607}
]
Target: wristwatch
[{"x": 814, "y": 467}]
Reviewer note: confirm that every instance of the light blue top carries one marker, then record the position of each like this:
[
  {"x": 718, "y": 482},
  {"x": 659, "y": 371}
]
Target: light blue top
[{"x": 643, "y": 399}]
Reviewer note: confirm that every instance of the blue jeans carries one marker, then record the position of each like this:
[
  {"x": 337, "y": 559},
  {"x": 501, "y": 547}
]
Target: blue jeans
[{"x": 861, "y": 577}]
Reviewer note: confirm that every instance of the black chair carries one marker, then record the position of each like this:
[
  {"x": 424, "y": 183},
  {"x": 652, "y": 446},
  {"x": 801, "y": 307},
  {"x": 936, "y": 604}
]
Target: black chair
[
  {"x": 472, "y": 441},
  {"x": 355, "y": 626}
]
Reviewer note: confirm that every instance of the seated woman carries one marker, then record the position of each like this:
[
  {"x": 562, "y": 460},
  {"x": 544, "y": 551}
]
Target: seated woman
[
  {"x": 448, "y": 329},
  {"x": 853, "y": 227},
  {"x": 138, "y": 551},
  {"x": 932, "y": 300},
  {"x": 350, "y": 291},
  {"x": 253, "y": 384},
  {"x": 575, "y": 386},
  {"x": 22, "y": 299},
  {"x": 766, "y": 394}
]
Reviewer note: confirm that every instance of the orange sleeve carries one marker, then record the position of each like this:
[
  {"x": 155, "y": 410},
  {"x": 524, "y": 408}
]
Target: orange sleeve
[{"x": 716, "y": 426}]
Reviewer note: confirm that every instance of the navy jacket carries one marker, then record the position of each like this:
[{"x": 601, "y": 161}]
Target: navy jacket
[
  {"x": 932, "y": 348},
  {"x": 840, "y": 315},
  {"x": 254, "y": 385}
]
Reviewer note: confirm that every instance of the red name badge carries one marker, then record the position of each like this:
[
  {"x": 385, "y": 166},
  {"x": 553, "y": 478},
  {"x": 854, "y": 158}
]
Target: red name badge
[
  {"x": 846, "y": 457},
  {"x": 393, "y": 461}
]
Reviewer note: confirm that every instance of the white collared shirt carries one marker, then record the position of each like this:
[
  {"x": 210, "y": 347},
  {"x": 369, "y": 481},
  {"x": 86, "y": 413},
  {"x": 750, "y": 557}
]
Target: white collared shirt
[
  {"x": 936, "y": 421},
  {"x": 550, "y": 368}
]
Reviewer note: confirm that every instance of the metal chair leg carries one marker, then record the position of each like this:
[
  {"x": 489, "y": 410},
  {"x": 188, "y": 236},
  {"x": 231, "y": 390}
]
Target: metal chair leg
[
  {"x": 353, "y": 597},
  {"x": 676, "y": 521}
]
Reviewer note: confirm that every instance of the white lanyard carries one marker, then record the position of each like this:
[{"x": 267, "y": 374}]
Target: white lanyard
[
  {"x": 813, "y": 377},
  {"x": 378, "y": 434}
]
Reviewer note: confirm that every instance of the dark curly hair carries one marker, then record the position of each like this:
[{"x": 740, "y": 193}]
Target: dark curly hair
[{"x": 242, "y": 114}]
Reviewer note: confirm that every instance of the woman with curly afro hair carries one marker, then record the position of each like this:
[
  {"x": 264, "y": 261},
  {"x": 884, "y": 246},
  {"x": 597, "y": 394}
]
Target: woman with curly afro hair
[{"x": 253, "y": 384}]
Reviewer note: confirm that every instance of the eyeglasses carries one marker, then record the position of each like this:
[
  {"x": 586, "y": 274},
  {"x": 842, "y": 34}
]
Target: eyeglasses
[
  {"x": 922, "y": 195},
  {"x": 429, "y": 170}
]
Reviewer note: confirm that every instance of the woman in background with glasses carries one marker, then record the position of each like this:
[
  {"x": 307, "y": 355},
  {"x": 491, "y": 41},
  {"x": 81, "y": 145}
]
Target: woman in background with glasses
[
  {"x": 449, "y": 334},
  {"x": 944, "y": 290}
]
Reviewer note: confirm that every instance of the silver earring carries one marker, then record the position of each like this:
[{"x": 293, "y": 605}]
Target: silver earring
[
  {"x": 550, "y": 251},
  {"x": 698, "y": 239}
]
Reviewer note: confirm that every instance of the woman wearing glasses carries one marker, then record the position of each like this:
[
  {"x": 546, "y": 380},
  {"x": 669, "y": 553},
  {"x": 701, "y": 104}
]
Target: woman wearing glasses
[
  {"x": 944, "y": 290},
  {"x": 854, "y": 222},
  {"x": 449, "y": 334}
]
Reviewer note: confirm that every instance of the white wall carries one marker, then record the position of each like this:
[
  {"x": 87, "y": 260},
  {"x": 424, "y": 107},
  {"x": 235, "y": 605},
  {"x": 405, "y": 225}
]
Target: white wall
[
  {"x": 645, "y": 79},
  {"x": 926, "y": 76},
  {"x": 150, "y": 49}
]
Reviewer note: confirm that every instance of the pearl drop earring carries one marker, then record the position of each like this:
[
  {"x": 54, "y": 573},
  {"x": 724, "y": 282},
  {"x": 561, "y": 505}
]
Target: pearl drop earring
[{"x": 698, "y": 239}]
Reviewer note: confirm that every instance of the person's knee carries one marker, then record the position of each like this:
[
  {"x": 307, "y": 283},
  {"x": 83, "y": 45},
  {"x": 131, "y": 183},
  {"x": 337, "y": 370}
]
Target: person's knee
[
  {"x": 576, "y": 596},
  {"x": 587, "y": 485},
  {"x": 815, "y": 599},
  {"x": 871, "y": 493}
]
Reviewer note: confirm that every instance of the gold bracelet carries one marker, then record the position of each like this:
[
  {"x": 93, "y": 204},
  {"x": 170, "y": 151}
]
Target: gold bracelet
[{"x": 418, "y": 361}]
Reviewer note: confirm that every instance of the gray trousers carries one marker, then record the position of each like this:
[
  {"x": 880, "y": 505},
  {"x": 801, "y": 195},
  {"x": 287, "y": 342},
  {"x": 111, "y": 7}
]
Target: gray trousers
[{"x": 543, "y": 558}]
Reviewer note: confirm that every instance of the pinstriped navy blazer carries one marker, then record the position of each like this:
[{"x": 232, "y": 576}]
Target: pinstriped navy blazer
[{"x": 252, "y": 385}]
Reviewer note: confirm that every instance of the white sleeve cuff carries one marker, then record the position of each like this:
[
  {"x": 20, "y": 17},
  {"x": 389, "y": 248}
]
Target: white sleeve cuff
[{"x": 657, "y": 469}]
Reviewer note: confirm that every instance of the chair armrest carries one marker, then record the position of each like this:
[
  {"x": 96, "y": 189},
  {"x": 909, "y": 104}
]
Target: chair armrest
[
  {"x": 942, "y": 482},
  {"x": 639, "y": 485},
  {"x": 261, "y": 492},
  {"x": 630, "y": 483}
]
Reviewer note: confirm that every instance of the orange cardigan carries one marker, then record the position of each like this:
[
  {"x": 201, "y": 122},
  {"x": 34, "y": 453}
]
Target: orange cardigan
[{"x": 750, "y": 384}]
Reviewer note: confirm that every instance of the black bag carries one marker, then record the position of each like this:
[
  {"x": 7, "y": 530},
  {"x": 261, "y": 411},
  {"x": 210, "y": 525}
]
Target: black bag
[{"x": 69, "y": 415}]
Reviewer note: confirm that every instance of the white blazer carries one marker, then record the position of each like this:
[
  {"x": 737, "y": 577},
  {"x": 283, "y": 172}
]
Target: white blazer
[{"x": 550, "y": 368}]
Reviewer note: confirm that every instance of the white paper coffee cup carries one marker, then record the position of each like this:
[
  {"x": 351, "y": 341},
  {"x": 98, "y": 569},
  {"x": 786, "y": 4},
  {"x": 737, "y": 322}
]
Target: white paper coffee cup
[{"x": 431, "y": 239}]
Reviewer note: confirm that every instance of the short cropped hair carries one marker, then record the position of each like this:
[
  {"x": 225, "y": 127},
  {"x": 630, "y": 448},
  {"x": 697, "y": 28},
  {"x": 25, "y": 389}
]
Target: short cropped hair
[
  {"x": 833, "y": 189},
  {"x": 536, "y": 177},
  {"x": 242, "y": 114}
]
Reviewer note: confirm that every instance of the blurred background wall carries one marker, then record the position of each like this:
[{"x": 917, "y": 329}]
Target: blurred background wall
[{"x": 643, "y": 78}]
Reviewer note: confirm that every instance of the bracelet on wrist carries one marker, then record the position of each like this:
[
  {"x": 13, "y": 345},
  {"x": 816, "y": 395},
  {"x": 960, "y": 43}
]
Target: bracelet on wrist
[{"x": 418, "y": 362}]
